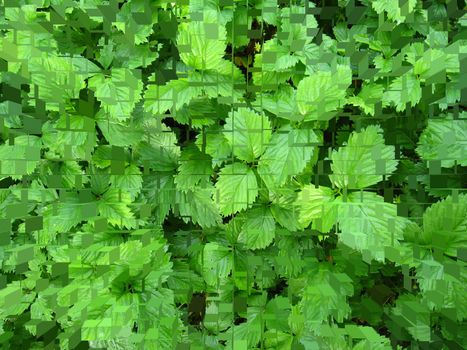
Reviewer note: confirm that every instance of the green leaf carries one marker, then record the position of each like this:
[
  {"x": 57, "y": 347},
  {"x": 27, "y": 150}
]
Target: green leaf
[
  {"x": 67, "y": 213},
  {"x": 40, "y": 310},
  {"x": 248, "y": 133},
  {"x": 217, "y": 262},
  {"x": 137, "y": 256},
  {"x": 442, "y": 286},
  {"x": 236, "y": 187},
  {"x": 363, "y": 160},
  {"x": 167, "y": 181},
  {"x": 197, "y": 205},
  {"x": 130, "y": 181},
  {"x": 259, "y": 228},
  {"x": 99, "y": 181},
  {"x": 214, "y": 143},
  {"x": 269, "y": 11},
  {"x": 282, "y": 103},
  {"x": 283, "y": 209},
  {"x": 444, "y": 140},
  {"x": 413, "y": 315},
  {"x": 201, "y": 112},
  {"x": 97, "y": 329},
  {"x": 106, "y": 53},
  {"x": 265, "y": 74},
  {"x": 247, "y": 334},
  {"x": 37, "y": 191},
  {"x": 159, "y": 320},
  {"x": 445, "y": 224},
  {"x": 433, "y": 62},
  {"x": 372, "y": 339},
  {"x": 184, "y": 281},
  {"x": 238, "y": 27},
  {"x": 394, "y": 10},
  {"x": 287, "y": 155},
  {"x": 21, "y": 158},
  {"x": 9, "y": 296},
  {"x": 278, "y": 340},
  {"x": 159, "y": 150},
  {"x": 70, "y": 171},
  {"x": 118, "y": 93},
  {"x": 314, "y": 203},
  {"x": 369, "y": 225},
  {"x": 202, "y": 44},
  {"x": 276, "y": 57},
  {"x": 277, "y": 313},
  {"x": 114, "y": 206},
  {"x": 245, "y": 271},
  {"x": 131, "y": 56},
  {"x": 223, "y": 82},
  {"x": 289, "y": 261},
  {"x": 370, "y": 95},
  {"x": 159, "y": 191},
  {"x": 320, "y": 95},
  {"x": 295, "y": 25},
  {"x": 403, "y": 90},
  {"x": 127, "y": 23},
  {"x": 329, "y": 338},
  {"x": 59, "y": 78},
  {"x": 217, "y": 320},
  {"x": 71, "y": 137},
  {"x": 325, "y": 296},
  {"x": 173, "y": 95},
  {"x": 194, "y": 170}
]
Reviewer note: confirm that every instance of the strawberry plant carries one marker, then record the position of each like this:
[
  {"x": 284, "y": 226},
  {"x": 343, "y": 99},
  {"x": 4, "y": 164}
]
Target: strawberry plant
[{"x": 248, "y": 174}]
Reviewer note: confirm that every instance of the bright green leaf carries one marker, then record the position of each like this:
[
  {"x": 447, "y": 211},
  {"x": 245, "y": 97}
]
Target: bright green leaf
[
  {"x": 236, "y": 188},
  {"x": 248, "y": 133},
  {"x": 363, "y": 160},
  {"x": 320, "y": 95}
]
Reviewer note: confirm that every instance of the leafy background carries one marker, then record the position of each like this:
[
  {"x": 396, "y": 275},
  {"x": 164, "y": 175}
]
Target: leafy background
[{"x": 233, "y": 174}]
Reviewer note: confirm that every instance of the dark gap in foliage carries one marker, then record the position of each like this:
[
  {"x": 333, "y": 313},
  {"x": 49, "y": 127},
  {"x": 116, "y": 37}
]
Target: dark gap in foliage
[
  {"x": 278, "y": 289},
  {"x": 184, "y": 132},
  {"x": 197, "y": 309},
  {"x": 8, "y": 182},
  {"x": 226, "y": 219},
  {"x": 239, "y": 320},
  {"x": 173, "y": 223},
  {"x": 87, "y": 104},
  {"x": 121, "y": 3}
]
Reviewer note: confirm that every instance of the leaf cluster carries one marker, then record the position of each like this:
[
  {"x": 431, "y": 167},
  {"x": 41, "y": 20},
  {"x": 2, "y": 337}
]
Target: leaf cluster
[{"x": 239, "y": 174}]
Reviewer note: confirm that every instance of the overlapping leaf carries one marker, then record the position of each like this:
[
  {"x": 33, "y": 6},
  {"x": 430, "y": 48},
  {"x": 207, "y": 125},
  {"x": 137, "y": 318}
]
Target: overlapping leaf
[
  {"x": 320, "y": 95},
  {"x": 236, "y": 187},
  {"x": 444, "y": 140},
  {"x": 118, "y": 93},
  {"x": 369, "y": 225},
  {"x": 287, "y": 154},
  {"x": 363, "y": 160},
  {"x": 248, "y": 133}
]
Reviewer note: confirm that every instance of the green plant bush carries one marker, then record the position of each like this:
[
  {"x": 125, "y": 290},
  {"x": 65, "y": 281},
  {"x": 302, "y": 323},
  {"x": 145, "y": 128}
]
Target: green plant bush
[{"x": 248, "y": 174}]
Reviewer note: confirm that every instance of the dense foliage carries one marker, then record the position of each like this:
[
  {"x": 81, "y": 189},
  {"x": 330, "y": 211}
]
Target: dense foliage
[{"x": 239, "y": 174}]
